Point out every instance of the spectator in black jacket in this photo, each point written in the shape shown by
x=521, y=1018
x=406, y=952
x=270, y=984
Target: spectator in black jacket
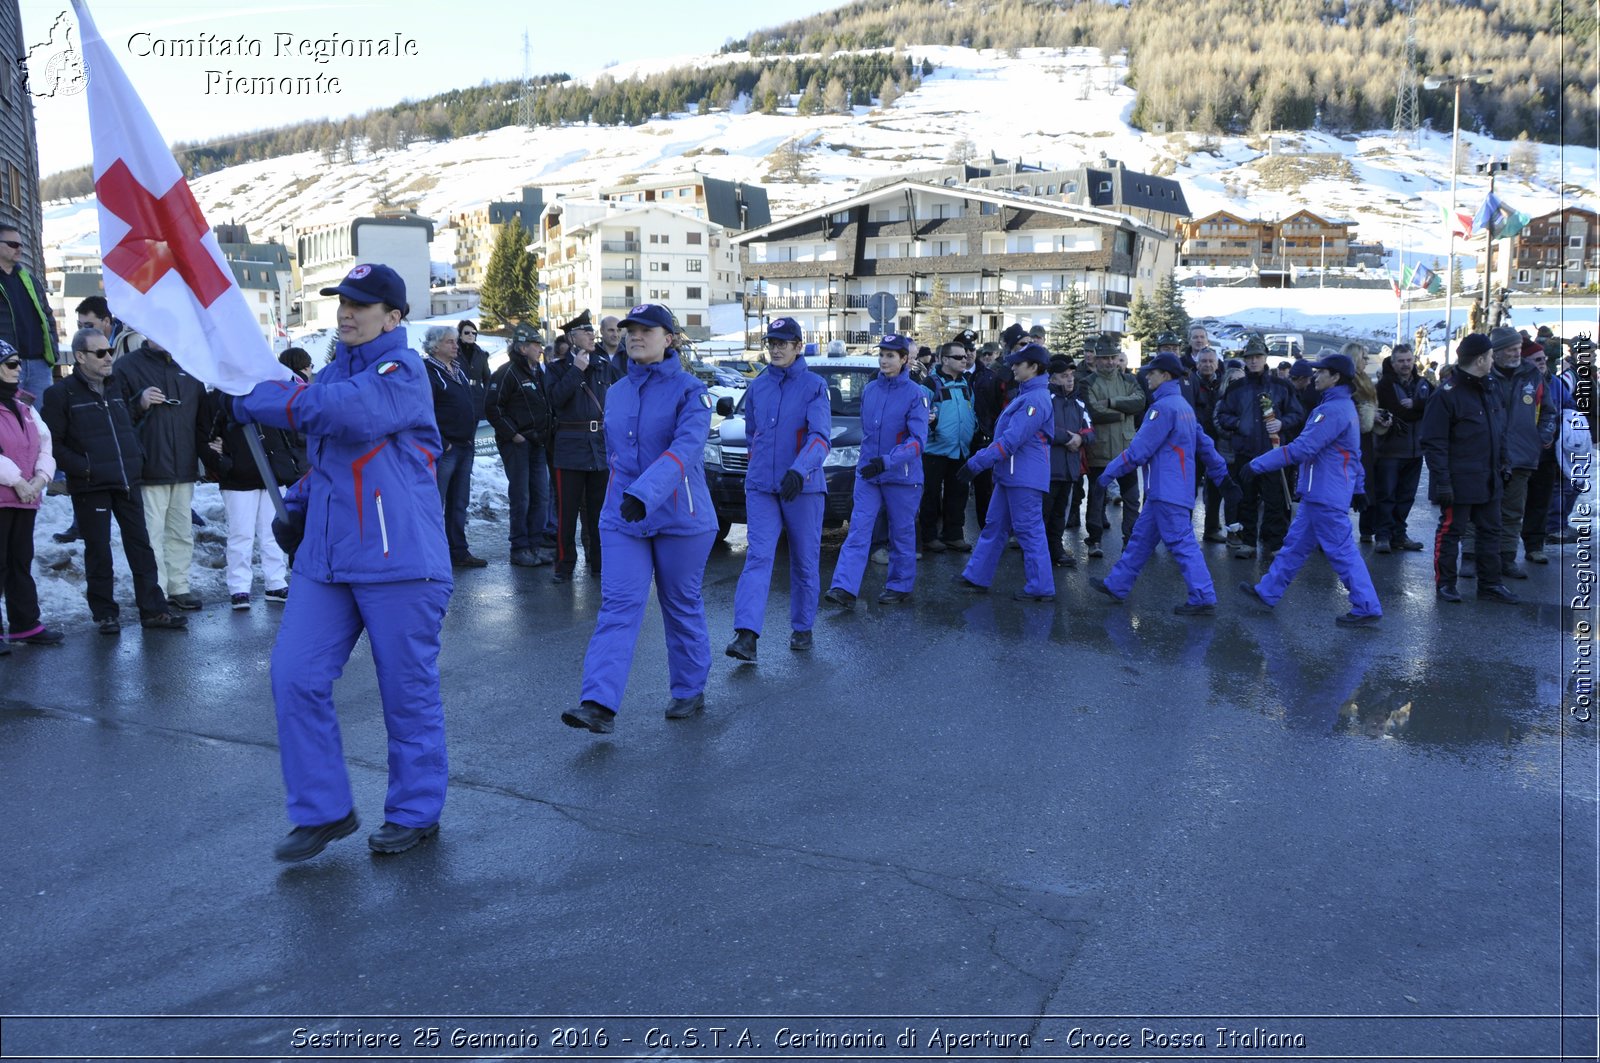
x=94, y=443
x=474, y=361
x=1463, y=439
x=1541, y=485
x=578, y=400
x=991, y=383
x=1530, y=430
x=245, y=499
x=1402, y=397
x=1243, y=417
x=1069, y=459
x=169, y=411
x=1203, y=388
x=455, y=408
x=519, y=410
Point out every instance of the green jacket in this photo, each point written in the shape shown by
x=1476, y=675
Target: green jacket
x=1115, y=404
x=47, y=323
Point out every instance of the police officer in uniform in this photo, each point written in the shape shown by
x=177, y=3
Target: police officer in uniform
x=577, y=393
x=1168, y=441
x=367, y=535
x=788, y=424
x=1020, y=458
x=1328, y=450
x=658, y=524
x=894, y=433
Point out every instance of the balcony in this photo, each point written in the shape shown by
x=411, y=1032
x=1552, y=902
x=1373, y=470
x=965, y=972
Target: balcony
x=797, y=302
x=620, y=247
x=619, y=274
x=616, y=302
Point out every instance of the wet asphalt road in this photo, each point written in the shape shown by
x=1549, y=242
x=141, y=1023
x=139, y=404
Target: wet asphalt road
x=1076, y=816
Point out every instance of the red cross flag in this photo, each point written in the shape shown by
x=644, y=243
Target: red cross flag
x=164, y=273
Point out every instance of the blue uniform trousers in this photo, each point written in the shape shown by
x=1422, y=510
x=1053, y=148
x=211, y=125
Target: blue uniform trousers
x=767, y=516
x=1317, y=524
x=901, y=501
x=1015, y=511
x=1173, y=526
x=677, y=563
x=320, y=627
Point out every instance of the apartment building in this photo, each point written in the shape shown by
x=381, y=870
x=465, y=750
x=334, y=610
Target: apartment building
x=475, y=231
x=1556, y=250
x=734, y=205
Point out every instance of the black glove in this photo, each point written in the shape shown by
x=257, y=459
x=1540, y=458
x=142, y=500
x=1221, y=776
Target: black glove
x=1444, y=496
x=632, y=509
x=1358, y=502
x=872, y=469
x=288, y=533
x=1245, y=474
x=965, y=475
x=1232, y=493
x=789, y=488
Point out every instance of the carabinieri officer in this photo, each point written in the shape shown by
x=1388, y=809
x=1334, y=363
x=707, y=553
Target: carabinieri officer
x=657, y=524
x=373, y=557
x=894, y=431
x=1328, y=450
x=1020, y=458
x=788, y=424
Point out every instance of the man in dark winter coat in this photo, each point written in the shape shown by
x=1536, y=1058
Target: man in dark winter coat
x=1257, y=413
x=519, y=410
x=578, y=400
x=1530, y=429
x=1402, y=397
x=1069, y=458
x=1203, y=388
x=455, y=410
x=168, y=408
x=25, y=318
x=1463, y=442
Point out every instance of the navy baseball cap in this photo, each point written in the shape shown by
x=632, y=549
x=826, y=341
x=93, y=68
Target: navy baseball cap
x=784, y=328
x=1342, y=364
x=1301, y=369
x=893, y=342
x=1030, y=352
x=651, y=315
x=1168, y=362
x=525, y=334
x=372, y=283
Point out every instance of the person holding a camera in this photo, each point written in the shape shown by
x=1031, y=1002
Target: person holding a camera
x=1402, y=396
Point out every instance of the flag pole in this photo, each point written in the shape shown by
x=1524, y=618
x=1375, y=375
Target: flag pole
x=252, y=440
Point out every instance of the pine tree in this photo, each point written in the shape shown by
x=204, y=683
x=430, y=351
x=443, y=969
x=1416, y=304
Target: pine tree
x=835, y=100
x=1167, y=303
x=933, y=316
x=889, y=93
x=510, y=284
x=1142, y=324
x=1069, y=325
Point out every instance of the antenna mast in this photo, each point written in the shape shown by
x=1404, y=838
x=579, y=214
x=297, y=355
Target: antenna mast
x=1406, y=119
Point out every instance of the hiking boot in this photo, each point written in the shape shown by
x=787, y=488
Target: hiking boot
x=683, y=708
x=743, y=646
x=240, y=600
x=187, y=601
x=393, y=838
x=40, y=636
x=166, y=621
x=1382, y=547
x=800, y=641
x=468, y=561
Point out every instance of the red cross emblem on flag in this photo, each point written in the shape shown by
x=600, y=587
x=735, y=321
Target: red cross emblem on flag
x=164, y=234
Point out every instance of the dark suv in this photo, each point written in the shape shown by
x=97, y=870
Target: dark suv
x=727, y=454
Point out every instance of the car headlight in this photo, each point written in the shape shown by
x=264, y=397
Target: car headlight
x=713, y=455
x=842, y=456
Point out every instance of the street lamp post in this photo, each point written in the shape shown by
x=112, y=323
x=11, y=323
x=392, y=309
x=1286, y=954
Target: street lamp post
x=1433, y=83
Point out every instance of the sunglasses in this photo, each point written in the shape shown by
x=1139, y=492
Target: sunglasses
x=12, y=363
x=15, y=245
x=107, y=353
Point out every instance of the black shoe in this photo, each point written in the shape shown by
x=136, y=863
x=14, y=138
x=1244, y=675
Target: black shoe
x=1366, y=540
x=889, y=597
x=840, y=596
x=1243, y=552
x=960, y=546
x=68, y=536
x=1215, y=537
x=1409, y=545
x=561, y=575
x=109, y=625
x=1024, y=596
x=393, y=838
x=468, y=561
x=1194, y=609
x=1447, y=592
x=1232, y=539
x=524, y=558
x=305, y=842
x=1382, y=546
x=1095, y=551
x=590, y=716
x=960, y=580
x=187, y=601
x=1100, y=585
x=800, y=641
x=935, y=546
x=45, y=636
x=743, y=646
x=165, y=620
x=1249, y=591
x=1355, y=620
x=1512, y=570
x=683, y=708
x=1498, y=592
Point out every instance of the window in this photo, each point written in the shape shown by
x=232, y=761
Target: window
x=263, y=318
x=658, y=293
x=694, y=293
x=694, y=239
x=696, y=265
x=660, y=267
x=842, y=218
x=261, y=297
x=1524, y=276
x=1574, y=241
x=989, y=208
x=692, y=320
x=1105, y=186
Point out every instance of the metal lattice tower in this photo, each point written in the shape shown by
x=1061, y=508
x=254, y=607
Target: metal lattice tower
x=1406, y=117
x=525, y=105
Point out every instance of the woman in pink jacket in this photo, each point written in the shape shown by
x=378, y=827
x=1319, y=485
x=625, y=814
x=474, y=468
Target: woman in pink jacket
x=26, y=466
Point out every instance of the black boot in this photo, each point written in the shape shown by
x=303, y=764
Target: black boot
x=743, y=646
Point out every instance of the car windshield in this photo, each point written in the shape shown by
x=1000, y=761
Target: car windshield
x=845, y=385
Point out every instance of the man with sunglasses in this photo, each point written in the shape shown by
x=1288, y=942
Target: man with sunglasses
x=25, y=321
x=166, y=405
x=94, y=442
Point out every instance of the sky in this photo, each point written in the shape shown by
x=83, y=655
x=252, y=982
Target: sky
x=456, y=44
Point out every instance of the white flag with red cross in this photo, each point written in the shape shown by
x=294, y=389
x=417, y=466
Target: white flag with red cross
x=164, y=272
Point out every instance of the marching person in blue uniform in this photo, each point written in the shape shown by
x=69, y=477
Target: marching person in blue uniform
x=657, y=524
x=894, y=433
x=1020, y=458
x=366, y=533
x=788, y=423
x=1170, y=442
x=1328, y=451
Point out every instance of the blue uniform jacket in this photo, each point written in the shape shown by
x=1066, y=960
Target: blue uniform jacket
x=657, y=420
x=1171, y=442
x=788, y=424
x=894, y=426
x=371, y=499
x=1020, y=453
x=1328, y=449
